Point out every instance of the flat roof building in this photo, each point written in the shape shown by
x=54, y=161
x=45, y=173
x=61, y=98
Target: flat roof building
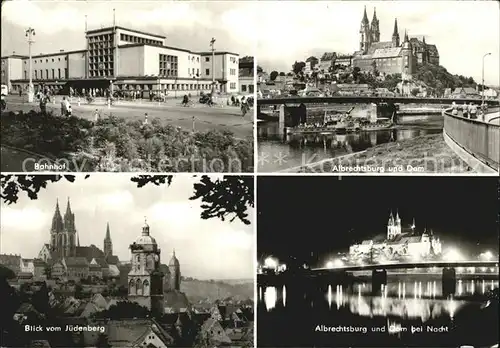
x=125, y=59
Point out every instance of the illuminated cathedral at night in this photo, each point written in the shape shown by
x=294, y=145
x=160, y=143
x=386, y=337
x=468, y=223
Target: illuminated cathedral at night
x=400, y=242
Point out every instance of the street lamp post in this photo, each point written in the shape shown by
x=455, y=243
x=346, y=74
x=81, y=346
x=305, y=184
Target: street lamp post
x=30, y=32
x=212, y=43
x=482, y=87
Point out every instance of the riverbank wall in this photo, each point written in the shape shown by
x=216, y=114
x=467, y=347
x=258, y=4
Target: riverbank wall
x=422, y=155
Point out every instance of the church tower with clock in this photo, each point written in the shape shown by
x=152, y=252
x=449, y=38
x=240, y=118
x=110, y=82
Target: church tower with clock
x=145, y=280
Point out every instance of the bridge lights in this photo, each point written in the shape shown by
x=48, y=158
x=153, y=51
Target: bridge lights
x=452, y=255
x=271, y=262
x=334, y=264
x=487, y=256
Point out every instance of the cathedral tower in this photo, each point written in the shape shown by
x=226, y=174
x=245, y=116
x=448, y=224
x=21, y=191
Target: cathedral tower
x=408, y=61
x=393, y=226
x=108, y=244
x=395, y=34
x=56, y=230
x=375, y=28
x=70, y=232
x=365, y=33
x=145, y=280
x=63, y=233
x=175, y=273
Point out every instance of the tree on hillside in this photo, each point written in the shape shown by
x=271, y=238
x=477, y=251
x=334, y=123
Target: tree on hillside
x=228, y=197
x=273, y=75
x=123, y=310
x=102, y=341
x=289, y=74
x=297, y=67
x=259, y=69
x=314, y=77
x=374, y=68
x=282, y=74
x=414, y=92
x=432, y=74
x=355, y=73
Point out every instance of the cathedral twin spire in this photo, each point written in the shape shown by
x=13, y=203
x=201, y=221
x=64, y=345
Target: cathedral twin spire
x=66, y=226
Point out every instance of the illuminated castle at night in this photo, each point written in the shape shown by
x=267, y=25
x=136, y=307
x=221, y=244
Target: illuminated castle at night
x=400, y=242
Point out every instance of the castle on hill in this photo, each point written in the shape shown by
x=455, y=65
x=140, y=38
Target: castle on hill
x=400, y=242
x=394, y=56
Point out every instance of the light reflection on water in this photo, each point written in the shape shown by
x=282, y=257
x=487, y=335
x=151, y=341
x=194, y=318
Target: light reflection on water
x=270, y=297
x=420, y=300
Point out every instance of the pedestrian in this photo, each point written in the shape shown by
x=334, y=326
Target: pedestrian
x=43, y=105
x=96, y=116
x=63, y=106
x=465, y=110
x=473, y=111
x=20, y=92
x=69, y=110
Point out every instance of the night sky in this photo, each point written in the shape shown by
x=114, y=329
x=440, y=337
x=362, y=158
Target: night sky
x=325, y=214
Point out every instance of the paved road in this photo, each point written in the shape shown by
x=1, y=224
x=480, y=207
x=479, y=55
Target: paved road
x=206, y=118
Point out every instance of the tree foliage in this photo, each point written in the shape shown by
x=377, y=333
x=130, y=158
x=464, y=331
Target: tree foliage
x=12, y=185
x=115, y=144
x=45, y=133
x=123, y=309
x=229, y=196
x=437, y=77
x=297, y=67
x=273, y=75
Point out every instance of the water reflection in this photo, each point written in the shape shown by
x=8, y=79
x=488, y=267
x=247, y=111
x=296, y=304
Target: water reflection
x=270, y=297
x=418, y=299
x=290, y=315
x=316, y=147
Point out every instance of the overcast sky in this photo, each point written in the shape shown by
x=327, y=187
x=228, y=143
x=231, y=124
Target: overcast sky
x=189, y=25
x=462, y=31
x=206, y=249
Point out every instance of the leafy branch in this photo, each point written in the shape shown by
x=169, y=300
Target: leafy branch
x=229, y=196
x=13, y=184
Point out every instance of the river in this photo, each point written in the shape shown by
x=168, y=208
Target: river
x=276, y=154
x=291, y=317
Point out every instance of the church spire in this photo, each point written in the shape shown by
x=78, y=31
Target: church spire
x=406, y=36
x=395, y=34
x=57, y=221
x=375, y=30
x=68, y=208
x=108, y=244
x=365, y=17
x=396, y=31
x=69, y=218
x=423, y=39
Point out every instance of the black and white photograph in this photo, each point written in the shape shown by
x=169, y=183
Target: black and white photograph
x=378, y=87
x=377, y=261
x=121, y=86
x=113, y=260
